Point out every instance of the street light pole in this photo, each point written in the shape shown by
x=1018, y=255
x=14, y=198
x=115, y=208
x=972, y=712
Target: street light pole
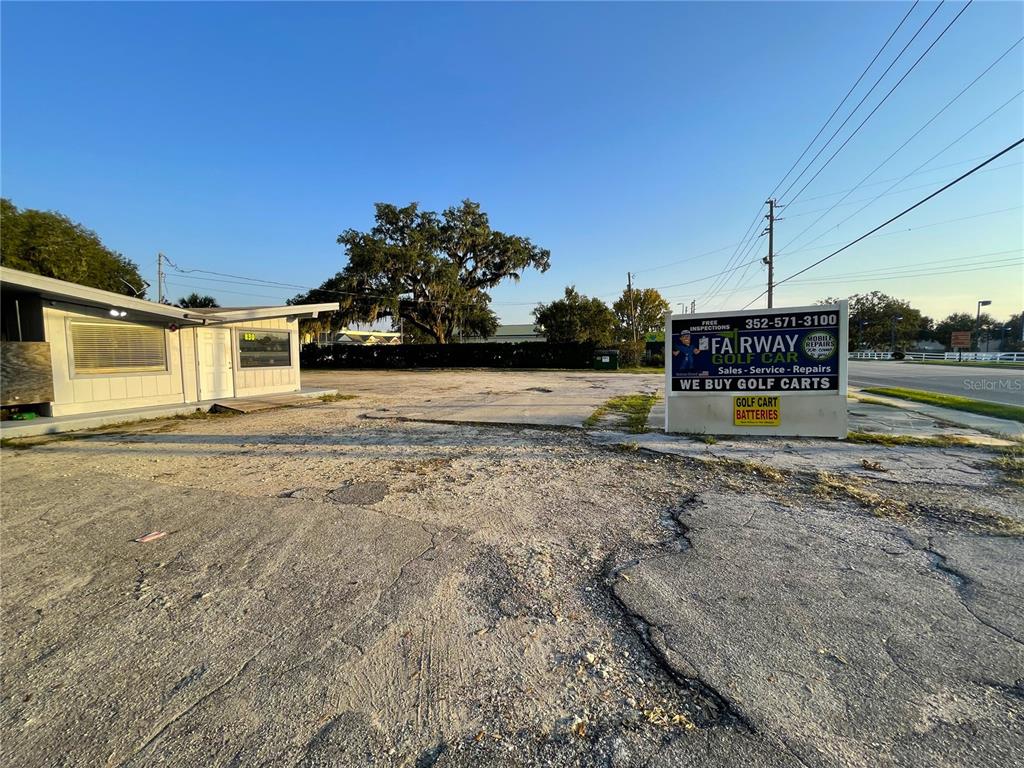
x=895, y=320
x=977, y=321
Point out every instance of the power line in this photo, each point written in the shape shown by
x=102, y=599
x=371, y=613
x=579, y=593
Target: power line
x=880, y=103
x=744, y=241
x=930, y=263
x=899, y=215
x=840, y=105
x=913, y=229
x=686, y=259
x=891, y=191
x=922, y=272
x=260, y=283
x=186, y=286
x=905, y=143
x=955, y=141
x=717, y=287
x=863, y=99
x=883, y=181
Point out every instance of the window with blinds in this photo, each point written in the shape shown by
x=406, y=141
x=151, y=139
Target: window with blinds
x=117, y=348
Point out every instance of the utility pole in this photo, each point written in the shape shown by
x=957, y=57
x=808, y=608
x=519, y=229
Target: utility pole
x=160, y=278
x=632, y=305
x=770, y=258
x=693, y=307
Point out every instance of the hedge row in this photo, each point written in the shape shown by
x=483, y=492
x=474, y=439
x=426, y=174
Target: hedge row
x=525, y=354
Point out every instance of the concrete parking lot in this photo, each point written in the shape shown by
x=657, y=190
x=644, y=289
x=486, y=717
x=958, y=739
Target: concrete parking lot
x=408, y=577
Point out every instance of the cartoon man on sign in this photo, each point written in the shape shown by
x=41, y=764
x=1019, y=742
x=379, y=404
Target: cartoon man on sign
x=683, y=352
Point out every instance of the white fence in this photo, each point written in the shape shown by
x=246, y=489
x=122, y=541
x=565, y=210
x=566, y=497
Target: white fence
x=989, y=357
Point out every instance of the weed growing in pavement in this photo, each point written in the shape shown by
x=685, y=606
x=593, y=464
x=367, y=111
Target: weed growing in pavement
x=336, y=397
x=635, y=408
x=1011, y=463
x=878, y=438
x=832, y=486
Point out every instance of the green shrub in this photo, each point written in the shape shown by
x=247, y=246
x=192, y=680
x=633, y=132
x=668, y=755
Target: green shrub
x=631, y=353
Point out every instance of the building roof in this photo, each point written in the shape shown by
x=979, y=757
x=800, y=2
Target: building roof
x=527, y=329
x=51, y=289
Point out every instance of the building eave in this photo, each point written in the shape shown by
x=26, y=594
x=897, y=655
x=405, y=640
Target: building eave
x=217, y=317
x=50, y=289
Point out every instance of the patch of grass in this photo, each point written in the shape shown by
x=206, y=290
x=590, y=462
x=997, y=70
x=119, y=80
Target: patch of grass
x=878, y=438
x=336, y=397
x=955, y=402
x=1010, y=462
x=755, y=468
x=198, y=413
x=832, y=486
x=155, y=424
x=966, y=363
x=635, y=408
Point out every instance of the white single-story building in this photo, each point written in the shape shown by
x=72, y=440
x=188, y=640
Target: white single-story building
x=69, y=349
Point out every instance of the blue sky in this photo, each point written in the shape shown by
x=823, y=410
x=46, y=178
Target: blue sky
x=242, y=138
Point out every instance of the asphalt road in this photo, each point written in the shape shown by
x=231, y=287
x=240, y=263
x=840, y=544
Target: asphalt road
x=997, y=386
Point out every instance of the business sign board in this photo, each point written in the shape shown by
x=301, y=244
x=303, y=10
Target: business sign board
x=960, y=340
x=774, y=371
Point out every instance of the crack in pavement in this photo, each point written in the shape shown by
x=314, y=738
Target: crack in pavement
x=963, y=585
x=725, y=711
x=227, y=681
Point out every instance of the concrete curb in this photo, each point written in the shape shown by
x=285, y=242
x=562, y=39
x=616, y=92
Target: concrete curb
x=61, y=424
x=987, y=424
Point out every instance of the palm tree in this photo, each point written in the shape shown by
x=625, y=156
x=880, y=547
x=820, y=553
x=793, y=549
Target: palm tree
x=194, y=301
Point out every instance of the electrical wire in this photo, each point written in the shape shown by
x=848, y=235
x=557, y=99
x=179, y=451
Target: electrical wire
x=931, y=120
x=913, y=136
x=942, y=151
x=716, y=288
x=840, y=105
x=909, y=229
x=864, y=98
x=686, y=259
x=899, y=215
x=880, y=103
x=925, y=272
x=747, y=238
x=886, y=193
x=886, y=181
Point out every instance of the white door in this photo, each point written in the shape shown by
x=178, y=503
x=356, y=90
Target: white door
x=216, y=377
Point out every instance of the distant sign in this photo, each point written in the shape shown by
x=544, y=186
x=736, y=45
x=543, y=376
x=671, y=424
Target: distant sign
x=756, y=411
x=960, y=340
x=770, y=352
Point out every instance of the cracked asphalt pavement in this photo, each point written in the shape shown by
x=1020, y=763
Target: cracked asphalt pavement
x=337, y=590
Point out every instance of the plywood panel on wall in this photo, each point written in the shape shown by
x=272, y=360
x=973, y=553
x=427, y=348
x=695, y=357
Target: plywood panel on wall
x=26, y=373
